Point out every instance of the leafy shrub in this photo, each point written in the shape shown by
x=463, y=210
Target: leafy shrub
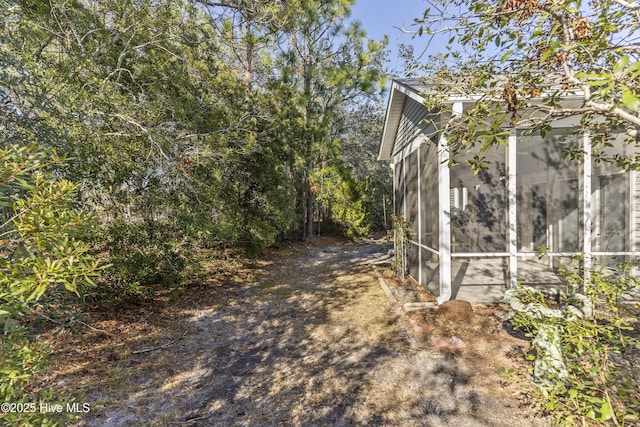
x=401, y=234
x=340, y=201
x=43, y=255
x=22, y=361
x=597, y=352
x=142, y=262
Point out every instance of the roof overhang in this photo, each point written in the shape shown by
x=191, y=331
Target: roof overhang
x=400, y=90
x=416, y=89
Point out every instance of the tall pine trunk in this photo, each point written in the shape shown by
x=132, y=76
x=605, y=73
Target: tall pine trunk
x=308, y=202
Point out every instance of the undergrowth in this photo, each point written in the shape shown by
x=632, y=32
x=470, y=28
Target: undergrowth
x=600, y=353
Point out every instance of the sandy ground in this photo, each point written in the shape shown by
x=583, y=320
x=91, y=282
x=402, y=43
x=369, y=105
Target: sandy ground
x=304, y=337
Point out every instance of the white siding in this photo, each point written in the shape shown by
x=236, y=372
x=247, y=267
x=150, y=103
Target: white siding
x=414, y=121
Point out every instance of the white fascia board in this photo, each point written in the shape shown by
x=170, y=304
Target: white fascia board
x=398, y=157
x=408, y=92
x=475, y=97
x=389, y=129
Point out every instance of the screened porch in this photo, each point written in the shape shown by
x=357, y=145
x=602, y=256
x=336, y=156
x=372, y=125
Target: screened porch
x=530, y=213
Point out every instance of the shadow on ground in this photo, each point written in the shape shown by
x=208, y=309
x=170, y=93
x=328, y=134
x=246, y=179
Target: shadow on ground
x=311, y=340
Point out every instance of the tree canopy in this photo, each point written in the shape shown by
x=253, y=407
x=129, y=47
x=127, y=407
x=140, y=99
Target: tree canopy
x=192, y=124
x=140, y=136
x=544, y=51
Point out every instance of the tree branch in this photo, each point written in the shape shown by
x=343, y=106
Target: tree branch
x=609, y=108
x=628, y=5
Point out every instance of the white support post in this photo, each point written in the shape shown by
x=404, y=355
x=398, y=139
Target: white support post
x=634, y=233
x=394, y=168
x=586, y=206
x=631, y=231
x=404, y=186
x=403, y=249
x=444, y=214
x=419, y=217
x=512, y=153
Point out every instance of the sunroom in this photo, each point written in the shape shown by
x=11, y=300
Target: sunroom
x=529, y=213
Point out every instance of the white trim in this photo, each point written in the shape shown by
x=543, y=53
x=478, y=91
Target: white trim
x=404, y=212
x=549, y=254
x=430, y=249
x=480, y=255
x=403, y=89
x=631, y=253
x=405, y=86
x=634, y=189
x=576, y=95
x=566, y=254
x=444, y=214
x=386, y=145
x=631, y=214
x=530, y=254
x=587, y=212
x=444, y=243
x=394, y=167
x=512, y=153
x=404, y=190
x=419, y=218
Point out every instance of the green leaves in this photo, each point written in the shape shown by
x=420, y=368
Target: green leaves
x=599, y=386
x=629, y=99
x=506, y=56
x=182, y=130
x=42, y=254
x=605, y=413
x=595, y=79
x=44, y=227
x=621, y=64
x=608, y=83
x=551, y=52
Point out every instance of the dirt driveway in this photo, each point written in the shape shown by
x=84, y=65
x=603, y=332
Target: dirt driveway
x=309, y=339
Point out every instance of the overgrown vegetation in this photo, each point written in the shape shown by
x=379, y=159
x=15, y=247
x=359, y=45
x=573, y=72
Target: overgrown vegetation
x=187, y=128
x=145, y=134
x=44, y=258
x=192, y=126
x=520, y=59
x=600, y=351
x=401, y=234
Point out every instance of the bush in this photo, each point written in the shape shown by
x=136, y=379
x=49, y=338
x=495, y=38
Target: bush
x=598, y=352
x=142, y=261
x=23, y=360
x=42, y=255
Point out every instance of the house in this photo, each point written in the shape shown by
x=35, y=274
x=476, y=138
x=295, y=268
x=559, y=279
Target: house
x=474, y=235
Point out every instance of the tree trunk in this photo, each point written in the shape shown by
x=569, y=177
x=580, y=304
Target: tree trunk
x=309, y=196
x=308, y=69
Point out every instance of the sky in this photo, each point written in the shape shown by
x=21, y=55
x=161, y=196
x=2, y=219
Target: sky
x=380, y=17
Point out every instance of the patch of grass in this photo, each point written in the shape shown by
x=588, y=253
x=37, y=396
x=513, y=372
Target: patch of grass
x=119, y=381
x=509, y=374
x=275, y=290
